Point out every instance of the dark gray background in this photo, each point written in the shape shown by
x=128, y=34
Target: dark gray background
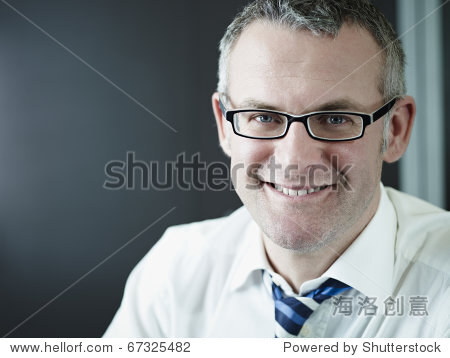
x=60, y=123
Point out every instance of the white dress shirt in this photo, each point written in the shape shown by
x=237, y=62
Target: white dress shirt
x=209, y=279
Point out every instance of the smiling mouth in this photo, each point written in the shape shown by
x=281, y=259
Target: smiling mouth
x=301, y=192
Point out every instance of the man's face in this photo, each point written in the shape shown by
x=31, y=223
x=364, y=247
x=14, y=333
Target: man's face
x=297, y=72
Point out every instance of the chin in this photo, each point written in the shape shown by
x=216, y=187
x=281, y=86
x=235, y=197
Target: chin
x=299, y=240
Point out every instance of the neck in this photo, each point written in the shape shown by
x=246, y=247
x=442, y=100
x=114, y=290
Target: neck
x=297, y=267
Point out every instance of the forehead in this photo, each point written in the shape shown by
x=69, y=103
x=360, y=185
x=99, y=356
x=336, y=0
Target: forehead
x=296, y=68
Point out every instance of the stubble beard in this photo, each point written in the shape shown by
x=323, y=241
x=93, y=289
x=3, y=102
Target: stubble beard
x=305, y=238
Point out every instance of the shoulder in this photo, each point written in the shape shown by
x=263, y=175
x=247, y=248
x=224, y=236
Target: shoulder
x=422, y=248
x=411, y=205
x=204, y=237
x=232, y=223
x=423, y=232
x=166, y=292
x=194, y=250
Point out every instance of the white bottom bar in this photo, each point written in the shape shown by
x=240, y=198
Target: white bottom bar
x=202, y=347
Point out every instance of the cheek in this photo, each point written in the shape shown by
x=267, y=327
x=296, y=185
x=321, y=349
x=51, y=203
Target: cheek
x=249, y=151
x=361, y=160
x=246, y=154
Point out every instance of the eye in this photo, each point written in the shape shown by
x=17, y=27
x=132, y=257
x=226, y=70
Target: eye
x=264, y=118
x=336, y=120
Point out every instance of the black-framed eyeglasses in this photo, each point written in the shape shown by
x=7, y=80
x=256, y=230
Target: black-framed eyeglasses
x=326, y=125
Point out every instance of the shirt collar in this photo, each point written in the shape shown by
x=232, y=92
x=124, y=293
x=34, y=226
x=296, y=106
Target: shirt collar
x=251, y=259
x=367, y=264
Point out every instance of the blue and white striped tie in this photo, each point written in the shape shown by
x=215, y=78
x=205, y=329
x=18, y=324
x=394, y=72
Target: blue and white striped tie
x=292, y=312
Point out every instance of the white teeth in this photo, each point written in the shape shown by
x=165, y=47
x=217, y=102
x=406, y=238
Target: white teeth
x=302, y=192
x=292, y=192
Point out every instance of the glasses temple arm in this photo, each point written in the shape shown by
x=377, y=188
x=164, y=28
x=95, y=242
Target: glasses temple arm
x=383, y=110
x=222, y=107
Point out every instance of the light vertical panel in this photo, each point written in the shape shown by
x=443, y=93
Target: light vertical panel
x=422, y=168
x=435, y=104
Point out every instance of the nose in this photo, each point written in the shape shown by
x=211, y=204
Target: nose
x=298, y=150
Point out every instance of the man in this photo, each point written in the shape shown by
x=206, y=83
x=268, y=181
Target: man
x=311, y=101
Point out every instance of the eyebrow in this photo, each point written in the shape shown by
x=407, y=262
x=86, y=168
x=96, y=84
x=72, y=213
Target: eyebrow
x=343, y=104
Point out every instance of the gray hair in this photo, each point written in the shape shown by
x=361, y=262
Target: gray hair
x=324, y=17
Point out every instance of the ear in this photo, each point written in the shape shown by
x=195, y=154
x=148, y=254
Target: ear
x=223, y=126
x=400, y=128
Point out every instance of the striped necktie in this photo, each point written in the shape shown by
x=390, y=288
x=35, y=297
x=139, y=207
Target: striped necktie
x=292, y=312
